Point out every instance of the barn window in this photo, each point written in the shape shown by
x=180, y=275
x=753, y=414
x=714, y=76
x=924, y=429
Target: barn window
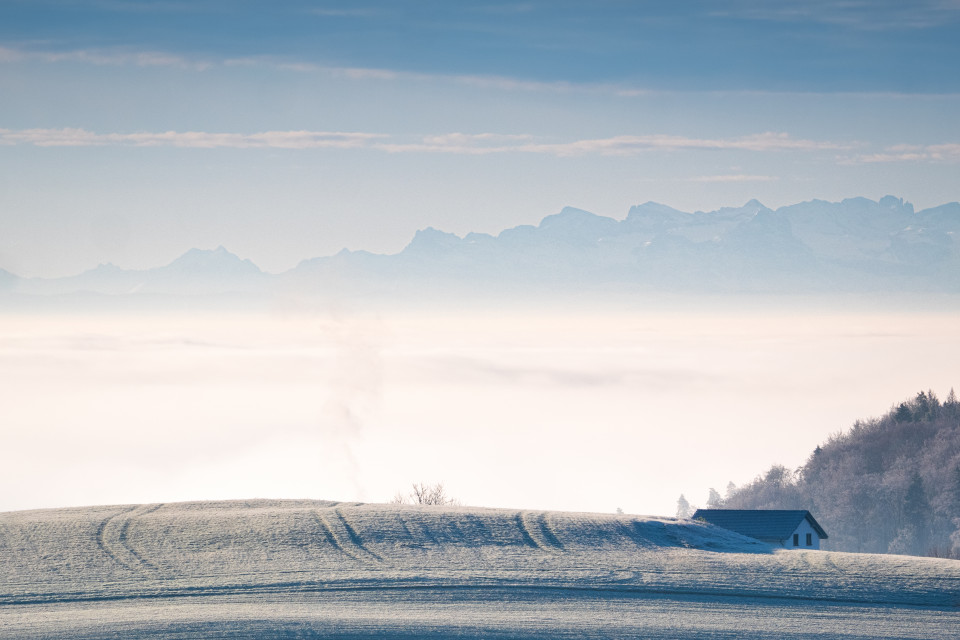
x=796, y=539
x=809, y=539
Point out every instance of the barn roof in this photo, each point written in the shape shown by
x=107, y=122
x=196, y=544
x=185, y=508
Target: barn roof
x=769, y=525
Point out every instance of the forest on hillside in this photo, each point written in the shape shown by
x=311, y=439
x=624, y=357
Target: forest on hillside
x=888, y=485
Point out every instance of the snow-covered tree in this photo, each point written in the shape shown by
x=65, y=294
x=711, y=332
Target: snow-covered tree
x=714, y=501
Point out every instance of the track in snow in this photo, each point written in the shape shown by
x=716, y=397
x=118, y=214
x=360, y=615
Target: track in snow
x=344, y=538
x=537, y=533
x=113, y=538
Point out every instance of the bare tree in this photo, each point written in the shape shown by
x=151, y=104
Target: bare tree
x=427, y=494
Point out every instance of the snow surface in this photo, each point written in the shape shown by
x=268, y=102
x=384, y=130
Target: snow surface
x=267, y=568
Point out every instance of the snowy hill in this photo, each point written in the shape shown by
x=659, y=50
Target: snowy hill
x=182, y=570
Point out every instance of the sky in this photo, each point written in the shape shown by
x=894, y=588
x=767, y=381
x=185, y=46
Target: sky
x=131, y=132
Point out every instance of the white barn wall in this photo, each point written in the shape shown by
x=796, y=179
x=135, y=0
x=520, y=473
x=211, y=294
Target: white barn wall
x=802, y=530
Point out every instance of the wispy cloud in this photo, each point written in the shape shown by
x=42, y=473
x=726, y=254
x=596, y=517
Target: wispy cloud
x=461, y=143
x=365, y=12
x=113, y=57
x=864, y=15
x=189, y=139
x=449, y=143
x=624, y=145
x=107, y=58
x=507, y=9
x=628, y=145
x=493, y=82
x=947, y=152
x=738, y=177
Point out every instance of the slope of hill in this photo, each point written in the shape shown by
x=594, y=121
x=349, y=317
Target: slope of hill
x=315, y=569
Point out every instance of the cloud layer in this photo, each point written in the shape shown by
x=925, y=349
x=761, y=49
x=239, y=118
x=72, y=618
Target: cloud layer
x=477, y=144
x=70, y=137
x=949, y=152
x=453, y=143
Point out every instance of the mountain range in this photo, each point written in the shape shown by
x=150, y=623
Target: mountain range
x=856, y=245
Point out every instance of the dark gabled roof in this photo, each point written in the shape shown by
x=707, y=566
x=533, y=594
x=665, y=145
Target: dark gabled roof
x=769, y=525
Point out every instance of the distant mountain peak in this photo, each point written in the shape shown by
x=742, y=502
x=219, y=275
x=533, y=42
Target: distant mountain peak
x=107, y=267
x=653, y=207
x=431, y=240
x=212, y=261
x=653, y=214
x=220, y=251
x=896, y=204
x=572, y=211
x=571, y=216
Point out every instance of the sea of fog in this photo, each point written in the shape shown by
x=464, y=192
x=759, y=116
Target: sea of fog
x=530, y=407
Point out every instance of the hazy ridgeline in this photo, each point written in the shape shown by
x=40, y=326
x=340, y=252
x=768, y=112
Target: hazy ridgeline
x=853, y=246
x=888, y=485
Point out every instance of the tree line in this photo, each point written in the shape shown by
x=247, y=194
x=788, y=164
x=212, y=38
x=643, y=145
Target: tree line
x=888, y=485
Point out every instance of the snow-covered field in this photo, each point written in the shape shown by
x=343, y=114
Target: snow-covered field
x=323, y=569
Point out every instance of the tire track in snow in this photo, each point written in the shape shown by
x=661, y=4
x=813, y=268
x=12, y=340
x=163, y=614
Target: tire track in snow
x=331, y=536
x=548, y=533
x=113, y=539
x=354, y=537
x=536, y=532
x=343, y=537
x=424, y=535
x=124, y=533
x=105, y=531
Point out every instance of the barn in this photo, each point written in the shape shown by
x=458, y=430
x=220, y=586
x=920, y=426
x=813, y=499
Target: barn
x=790, y=529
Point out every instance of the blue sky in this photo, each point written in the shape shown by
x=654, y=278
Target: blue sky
x=813, y=45
x=133, y=131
